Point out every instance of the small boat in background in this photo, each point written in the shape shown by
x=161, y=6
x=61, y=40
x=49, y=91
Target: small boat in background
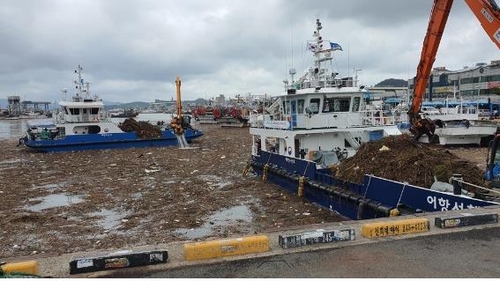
x=126, y=113
x=460, y=124
x=83, y=124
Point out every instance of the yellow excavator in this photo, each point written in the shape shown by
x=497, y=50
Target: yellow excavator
x=177, y=122
x=488, y=14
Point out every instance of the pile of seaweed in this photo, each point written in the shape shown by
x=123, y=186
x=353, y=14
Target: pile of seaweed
x=403, y=159
x=143, y=129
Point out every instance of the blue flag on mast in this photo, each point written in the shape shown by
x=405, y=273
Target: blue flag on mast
x=335, y=46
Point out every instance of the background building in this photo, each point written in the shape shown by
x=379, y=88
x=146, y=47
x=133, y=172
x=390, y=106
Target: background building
x=481, y=81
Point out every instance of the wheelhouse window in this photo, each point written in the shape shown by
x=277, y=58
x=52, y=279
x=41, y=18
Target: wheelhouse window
x=337, y=105
x=286, y=107
x=314, y=105
x=94, y=111
x=300, y=106
x=74, y=111
x=355, y=104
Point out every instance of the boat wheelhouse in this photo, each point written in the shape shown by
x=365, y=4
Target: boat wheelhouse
x=320, y=114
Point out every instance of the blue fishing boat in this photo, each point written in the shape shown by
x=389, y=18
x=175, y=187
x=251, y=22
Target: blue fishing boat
x=83, y=124
x=322, y=119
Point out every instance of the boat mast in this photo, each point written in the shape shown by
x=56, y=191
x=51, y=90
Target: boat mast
x=79, y=82
x=320, y=55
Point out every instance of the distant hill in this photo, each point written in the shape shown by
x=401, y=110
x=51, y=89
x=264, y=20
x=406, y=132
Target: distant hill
x=392, y=82
x=135, y=104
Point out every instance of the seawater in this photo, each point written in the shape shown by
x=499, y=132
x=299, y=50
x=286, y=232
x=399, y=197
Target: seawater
x=15, y=129
x=12, y=129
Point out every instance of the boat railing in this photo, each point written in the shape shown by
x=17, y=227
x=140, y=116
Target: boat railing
x=377, y=118
x=101, y=117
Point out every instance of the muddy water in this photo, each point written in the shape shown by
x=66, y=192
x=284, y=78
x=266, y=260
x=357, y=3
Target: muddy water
x=237, y=215
x=54, y=200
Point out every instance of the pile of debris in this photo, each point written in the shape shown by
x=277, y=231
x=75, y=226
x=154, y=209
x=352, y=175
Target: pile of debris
x=402, y=159
x=144, y=130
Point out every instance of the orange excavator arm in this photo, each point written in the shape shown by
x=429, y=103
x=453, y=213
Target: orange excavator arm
x=176, y=121
x=178, y=97
x=488, y=14
x=437, y=22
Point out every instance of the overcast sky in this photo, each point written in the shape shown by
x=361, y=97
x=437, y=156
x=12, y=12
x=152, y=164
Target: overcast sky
x=133, y=50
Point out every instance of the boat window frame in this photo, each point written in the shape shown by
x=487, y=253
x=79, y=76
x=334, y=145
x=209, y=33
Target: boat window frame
x=337, y=104
x=316, y=102
x=356, y=102
x=300, y=106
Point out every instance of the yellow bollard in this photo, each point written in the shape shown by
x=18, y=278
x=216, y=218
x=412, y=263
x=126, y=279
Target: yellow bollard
x=247, y=168
x=25, y=267
x=264, y=172
x=300, y=190
x=394, y=213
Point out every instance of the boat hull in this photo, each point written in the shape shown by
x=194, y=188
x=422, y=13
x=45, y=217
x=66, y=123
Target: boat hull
x=108, y=141
x=376, y=197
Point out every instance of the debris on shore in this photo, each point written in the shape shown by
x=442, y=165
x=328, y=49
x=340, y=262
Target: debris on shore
x=402, y=159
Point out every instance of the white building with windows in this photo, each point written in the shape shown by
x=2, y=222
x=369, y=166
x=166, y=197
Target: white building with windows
x=481, y=81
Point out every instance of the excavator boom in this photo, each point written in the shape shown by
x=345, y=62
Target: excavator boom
x=178, y=97
x=488, y=14
x=437, y=22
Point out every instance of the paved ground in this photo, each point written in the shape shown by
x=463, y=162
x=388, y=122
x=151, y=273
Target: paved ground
x=463, y=254
x=457, y=252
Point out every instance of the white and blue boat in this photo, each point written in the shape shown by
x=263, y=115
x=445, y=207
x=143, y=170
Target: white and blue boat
x=322, y=119
x=83, y=124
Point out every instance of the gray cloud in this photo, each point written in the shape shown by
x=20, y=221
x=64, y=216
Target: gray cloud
x=133, y=50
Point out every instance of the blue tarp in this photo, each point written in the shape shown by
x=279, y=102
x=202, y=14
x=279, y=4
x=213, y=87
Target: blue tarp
x=392, y=100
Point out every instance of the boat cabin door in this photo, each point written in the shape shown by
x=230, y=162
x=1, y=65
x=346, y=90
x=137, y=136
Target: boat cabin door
x=294, y=113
